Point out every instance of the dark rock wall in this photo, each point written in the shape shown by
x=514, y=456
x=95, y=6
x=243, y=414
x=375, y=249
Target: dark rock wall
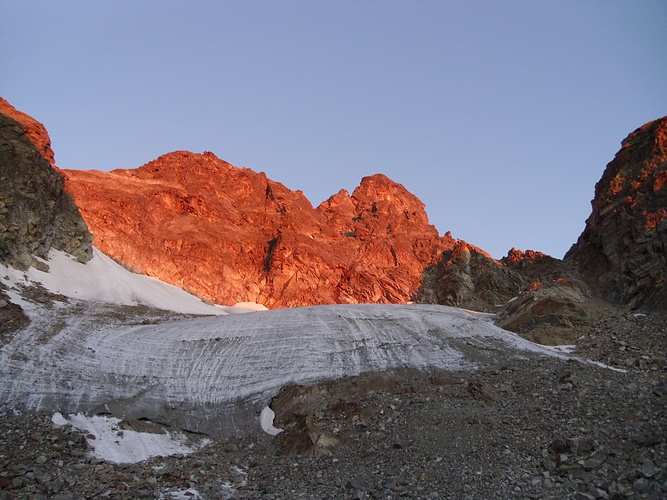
x=623, y=250
x=35, y=212
x=468, y=277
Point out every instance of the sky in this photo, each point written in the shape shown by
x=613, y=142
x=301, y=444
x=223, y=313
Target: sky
x=499, y=116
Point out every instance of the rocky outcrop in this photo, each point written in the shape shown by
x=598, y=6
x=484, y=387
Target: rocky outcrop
x=229, y=234
x=35, y=212
x=551, y=313
x=534, y=266
x=532, y=294
x=468, y=277
x=623, y=249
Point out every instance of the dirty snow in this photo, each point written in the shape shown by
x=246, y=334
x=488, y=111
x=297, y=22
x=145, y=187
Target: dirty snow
x=122, y=446
x=214, y=374
x=191, y=372
x=189, y=494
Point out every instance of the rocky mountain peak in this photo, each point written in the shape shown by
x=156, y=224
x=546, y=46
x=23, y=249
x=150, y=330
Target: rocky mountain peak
x=231, y=235
x=35, y=212
x=33, y=130
x=515, y=256
x=623, y=249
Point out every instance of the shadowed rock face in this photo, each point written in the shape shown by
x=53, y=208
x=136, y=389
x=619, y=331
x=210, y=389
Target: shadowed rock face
x=623, y=249
x=468, y=277
x=229, y=234
x=550, y=313
x=35, y=212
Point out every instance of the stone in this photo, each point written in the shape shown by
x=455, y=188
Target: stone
x=582, y=496
x=399, y=443
x=36, y=214
x=549, y=313
x=358, y=483
x=593, y=463
x=622, y=251
x=482, y=392
x=231, y=235
x=649, y=470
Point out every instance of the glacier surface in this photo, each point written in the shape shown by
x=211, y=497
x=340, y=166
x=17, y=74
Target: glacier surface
x=214, y=374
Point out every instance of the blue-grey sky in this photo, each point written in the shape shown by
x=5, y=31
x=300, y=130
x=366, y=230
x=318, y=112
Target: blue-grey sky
x=499, y=116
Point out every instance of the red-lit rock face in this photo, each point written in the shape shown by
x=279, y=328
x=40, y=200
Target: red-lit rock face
x=623, y=249
x=515, y=256
x=229, y=234
x=33, y=130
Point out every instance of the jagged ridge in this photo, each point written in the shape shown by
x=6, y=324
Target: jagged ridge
x=229, y=234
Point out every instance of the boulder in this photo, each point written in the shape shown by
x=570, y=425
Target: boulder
x=552, y=313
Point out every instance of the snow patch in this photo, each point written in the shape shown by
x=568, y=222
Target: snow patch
x=266, y=421
x=103, y=280
x=59, y=420
x=565, y=348
x=244, y=307
x=189, y=494
x=112, y=444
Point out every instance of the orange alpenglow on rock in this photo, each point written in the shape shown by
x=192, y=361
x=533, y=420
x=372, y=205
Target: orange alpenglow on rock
x=230, y=235
x=623, y=249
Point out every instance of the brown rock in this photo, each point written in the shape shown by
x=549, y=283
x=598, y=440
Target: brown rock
x=534, y=266
x=549, y=313
x=230, y=235
x=623, y=249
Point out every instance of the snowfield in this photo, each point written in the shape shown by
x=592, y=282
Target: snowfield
x=103, y=280
x=112, y=444
x=215, y=374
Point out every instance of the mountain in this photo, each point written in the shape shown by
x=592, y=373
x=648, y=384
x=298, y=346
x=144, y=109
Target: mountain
x=622, y=251
x=35, y=212
x=230, y=235
x=377, y=400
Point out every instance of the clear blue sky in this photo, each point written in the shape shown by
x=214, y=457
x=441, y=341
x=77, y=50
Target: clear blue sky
x=499, y=116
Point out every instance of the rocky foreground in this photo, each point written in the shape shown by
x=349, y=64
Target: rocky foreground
x=543, y=428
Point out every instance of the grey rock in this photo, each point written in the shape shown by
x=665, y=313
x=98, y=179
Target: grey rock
x=35, y=212
x=623, y=248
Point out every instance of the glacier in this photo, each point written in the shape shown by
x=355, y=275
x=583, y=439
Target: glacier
x=215, y=374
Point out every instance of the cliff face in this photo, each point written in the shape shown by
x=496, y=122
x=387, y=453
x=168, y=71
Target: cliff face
x=623, y=249
x=35, y=212
x=229, y=234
